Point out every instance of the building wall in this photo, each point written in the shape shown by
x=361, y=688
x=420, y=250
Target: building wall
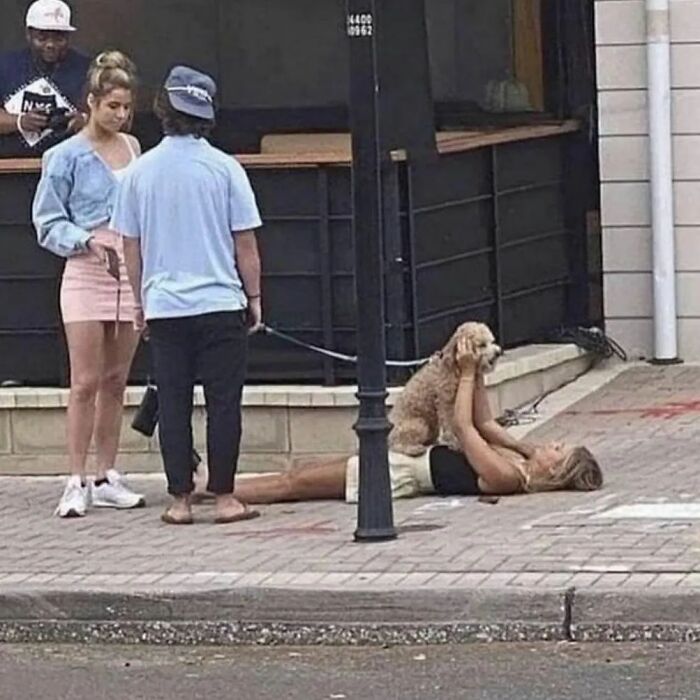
x=627, y=258
x=278, y=53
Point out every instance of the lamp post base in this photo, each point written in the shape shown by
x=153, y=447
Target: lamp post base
x=375, y=518
x=368, y=534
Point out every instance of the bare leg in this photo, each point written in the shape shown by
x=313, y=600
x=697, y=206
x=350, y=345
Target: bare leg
x=303, y=482
x=119, y=351
x=85, y=348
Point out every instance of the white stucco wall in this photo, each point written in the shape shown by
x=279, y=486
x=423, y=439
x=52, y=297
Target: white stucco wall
x=621, y=56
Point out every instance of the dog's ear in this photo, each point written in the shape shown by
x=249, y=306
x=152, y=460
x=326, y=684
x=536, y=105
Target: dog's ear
x=448, y=354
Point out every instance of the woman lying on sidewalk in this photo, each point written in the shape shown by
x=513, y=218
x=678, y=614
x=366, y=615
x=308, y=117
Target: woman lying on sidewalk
x=490, y=462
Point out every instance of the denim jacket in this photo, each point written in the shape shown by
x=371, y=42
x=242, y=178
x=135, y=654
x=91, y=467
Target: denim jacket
x=75, y=195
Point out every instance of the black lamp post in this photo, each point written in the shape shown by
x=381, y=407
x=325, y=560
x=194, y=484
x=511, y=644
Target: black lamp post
x=375, y=521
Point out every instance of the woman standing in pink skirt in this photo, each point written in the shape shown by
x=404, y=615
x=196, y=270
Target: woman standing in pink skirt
x=72, y=208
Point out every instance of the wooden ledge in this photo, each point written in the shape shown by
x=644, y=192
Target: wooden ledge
x=448, y=142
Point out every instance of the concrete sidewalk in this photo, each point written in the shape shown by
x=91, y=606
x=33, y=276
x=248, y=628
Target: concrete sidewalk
x=622, y=563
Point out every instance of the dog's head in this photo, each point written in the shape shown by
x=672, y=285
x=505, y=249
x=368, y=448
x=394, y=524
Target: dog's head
x=480, y=342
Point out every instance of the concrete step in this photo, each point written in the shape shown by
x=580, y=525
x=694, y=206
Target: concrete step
x=280, y=422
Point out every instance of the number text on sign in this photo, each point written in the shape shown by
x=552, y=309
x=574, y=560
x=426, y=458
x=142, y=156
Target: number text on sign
x=360, y=25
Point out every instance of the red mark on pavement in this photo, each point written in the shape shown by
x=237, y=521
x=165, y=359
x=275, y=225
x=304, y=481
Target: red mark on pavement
x=673, y=409
x=322, y=528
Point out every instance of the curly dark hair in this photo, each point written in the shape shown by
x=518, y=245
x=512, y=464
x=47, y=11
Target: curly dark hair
x=176, y=123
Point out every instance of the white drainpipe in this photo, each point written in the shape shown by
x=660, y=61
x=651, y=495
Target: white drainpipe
x=661, y=164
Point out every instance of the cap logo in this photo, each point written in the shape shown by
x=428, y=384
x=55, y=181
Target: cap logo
x=56, y=14
x=198, y=93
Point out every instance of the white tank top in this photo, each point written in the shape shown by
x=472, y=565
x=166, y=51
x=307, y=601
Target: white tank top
x=119, y=173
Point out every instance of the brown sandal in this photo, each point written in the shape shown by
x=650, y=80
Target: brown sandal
x=166, y=517
x=246, y=514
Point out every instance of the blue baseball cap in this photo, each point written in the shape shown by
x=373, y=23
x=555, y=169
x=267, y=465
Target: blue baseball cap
x=191, y=92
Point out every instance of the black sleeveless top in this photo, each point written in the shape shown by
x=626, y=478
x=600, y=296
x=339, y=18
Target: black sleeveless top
x=451, y=473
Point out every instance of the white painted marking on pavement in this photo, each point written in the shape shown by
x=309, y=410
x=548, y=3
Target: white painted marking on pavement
x=655, y=511
x=447, y=504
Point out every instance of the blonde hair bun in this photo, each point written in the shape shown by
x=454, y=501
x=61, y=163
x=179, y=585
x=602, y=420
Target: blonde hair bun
x=110, y=70
x=115, y=60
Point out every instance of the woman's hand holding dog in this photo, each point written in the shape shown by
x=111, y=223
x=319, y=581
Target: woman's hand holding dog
x=467, y=360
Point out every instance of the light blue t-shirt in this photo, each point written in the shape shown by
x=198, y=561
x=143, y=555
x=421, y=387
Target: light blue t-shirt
x=185, y=200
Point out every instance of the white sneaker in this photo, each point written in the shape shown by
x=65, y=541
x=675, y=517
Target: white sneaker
x=74, y=501
x=115, y=493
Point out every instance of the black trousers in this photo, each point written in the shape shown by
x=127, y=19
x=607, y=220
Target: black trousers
x=212, y=348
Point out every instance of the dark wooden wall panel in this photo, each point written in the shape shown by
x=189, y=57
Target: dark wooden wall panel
x=278, y=53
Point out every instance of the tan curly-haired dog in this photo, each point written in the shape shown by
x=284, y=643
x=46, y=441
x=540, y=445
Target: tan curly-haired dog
x=423, y=412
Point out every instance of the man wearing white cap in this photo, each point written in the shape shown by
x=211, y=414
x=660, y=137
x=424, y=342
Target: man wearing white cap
x=41, y=85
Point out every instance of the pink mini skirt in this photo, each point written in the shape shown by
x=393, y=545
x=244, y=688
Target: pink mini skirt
x=89, y=293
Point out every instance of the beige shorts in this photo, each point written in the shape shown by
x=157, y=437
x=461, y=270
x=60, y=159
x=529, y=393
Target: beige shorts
x=410, y=476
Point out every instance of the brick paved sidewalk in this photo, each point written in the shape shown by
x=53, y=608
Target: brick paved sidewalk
x=643, y=424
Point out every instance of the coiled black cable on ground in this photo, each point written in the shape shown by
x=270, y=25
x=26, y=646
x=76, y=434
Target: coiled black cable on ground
x=592, y=340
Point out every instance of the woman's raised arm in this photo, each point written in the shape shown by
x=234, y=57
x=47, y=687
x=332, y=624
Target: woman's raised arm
x=496, y=474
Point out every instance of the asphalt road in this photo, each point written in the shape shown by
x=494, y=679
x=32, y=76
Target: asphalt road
x=477, y=672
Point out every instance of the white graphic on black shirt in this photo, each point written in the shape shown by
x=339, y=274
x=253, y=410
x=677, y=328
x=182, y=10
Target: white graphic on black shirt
x=34, y=101
x=41, y=94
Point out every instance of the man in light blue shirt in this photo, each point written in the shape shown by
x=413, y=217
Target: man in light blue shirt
x=188, y=214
